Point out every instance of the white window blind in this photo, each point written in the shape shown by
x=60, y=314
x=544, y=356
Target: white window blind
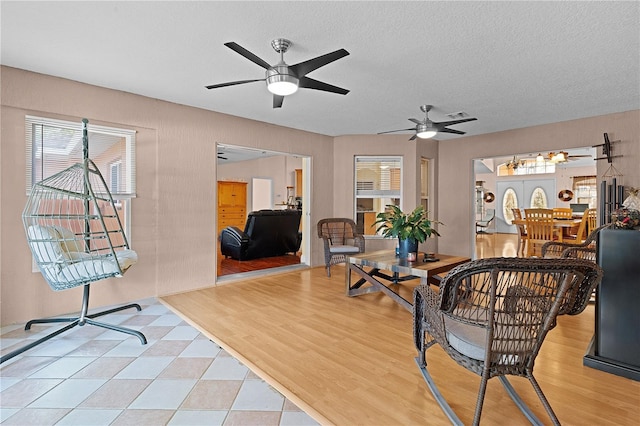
x=378, y=176
x=585, y=189
x=53, y=145
x=378, y=183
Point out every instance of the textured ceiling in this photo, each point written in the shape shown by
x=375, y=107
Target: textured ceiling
x=510, y=64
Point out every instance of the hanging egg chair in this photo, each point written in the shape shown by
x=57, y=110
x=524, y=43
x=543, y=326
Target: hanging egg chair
x=76, y=237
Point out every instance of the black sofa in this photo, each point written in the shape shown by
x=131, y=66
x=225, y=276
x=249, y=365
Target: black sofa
x=267, y=233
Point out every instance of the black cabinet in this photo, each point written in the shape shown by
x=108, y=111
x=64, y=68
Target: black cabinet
x=616, y=345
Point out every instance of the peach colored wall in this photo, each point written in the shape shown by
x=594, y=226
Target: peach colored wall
x=176, y=168
x=456, y=169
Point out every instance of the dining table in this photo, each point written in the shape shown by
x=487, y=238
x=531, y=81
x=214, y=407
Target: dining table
x=563, y=224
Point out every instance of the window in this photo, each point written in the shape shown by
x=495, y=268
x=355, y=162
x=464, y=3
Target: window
x=585, y=190
x=424, y=183
x=378, y=183
x=538, y=198
x=53, y=145
x=526, y=167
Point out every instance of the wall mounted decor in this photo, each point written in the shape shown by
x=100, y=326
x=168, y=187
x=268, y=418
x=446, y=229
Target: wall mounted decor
x=565, y=195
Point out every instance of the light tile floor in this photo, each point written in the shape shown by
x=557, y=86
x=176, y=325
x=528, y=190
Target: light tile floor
x=93, y=376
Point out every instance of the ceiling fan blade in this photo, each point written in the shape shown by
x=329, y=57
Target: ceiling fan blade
x=232, y=83
x=277, y=101
x=309, y=83
x=445, y=130
x=400, y=130
x=250, y=56
x=415, y=120
x=452, y=122
x=303, y=68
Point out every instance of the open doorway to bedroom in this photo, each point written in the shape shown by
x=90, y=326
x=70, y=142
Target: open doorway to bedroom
x=564, y=178
x=273, y=183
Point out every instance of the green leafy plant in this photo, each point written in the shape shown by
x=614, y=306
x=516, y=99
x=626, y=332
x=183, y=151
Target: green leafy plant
x=415, y=225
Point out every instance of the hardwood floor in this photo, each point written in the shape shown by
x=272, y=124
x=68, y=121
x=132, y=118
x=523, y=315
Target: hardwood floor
x=231, y=266
x=350, y=361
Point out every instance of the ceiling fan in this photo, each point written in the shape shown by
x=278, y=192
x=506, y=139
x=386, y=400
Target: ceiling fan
x=283, y=79
x=562, y=157
x=426, y=128
x=515, y=163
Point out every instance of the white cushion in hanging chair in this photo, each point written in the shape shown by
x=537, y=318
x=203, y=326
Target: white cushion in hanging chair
x=64, y=264
x=87, y=267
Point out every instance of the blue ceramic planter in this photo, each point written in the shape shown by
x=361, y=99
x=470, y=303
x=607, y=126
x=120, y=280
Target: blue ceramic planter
x=407, y=246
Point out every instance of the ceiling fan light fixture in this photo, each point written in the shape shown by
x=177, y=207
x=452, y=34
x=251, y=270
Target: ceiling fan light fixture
x=424, y=131
x=280, y=82
x=560, y=157
x=427, y=134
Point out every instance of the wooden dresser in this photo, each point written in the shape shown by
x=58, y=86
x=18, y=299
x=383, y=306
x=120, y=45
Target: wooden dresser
x=232, y=204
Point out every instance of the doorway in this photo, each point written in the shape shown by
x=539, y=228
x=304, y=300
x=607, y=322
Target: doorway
x=527, y=180
x=266, y=177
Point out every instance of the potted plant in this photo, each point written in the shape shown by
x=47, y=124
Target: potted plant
x=410, y=229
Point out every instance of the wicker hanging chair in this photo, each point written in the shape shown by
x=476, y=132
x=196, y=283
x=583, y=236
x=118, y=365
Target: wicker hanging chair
x=76, y=238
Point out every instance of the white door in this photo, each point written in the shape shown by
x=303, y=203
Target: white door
x=522, y=194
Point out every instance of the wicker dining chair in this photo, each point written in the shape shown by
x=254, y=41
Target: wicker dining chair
x=340, y=238
x=492, y=315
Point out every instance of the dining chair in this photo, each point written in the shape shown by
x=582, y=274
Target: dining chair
x=562, y=213
x=491, y=316
x=567, y=249
x=540, y=229
x=592, y=222
x=522, y=232
x=581, y=233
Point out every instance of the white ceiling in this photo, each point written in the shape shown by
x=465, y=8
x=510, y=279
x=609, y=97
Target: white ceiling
x=510, y=64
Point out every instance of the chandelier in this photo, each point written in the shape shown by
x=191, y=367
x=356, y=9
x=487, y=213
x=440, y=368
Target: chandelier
x=514, y=164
